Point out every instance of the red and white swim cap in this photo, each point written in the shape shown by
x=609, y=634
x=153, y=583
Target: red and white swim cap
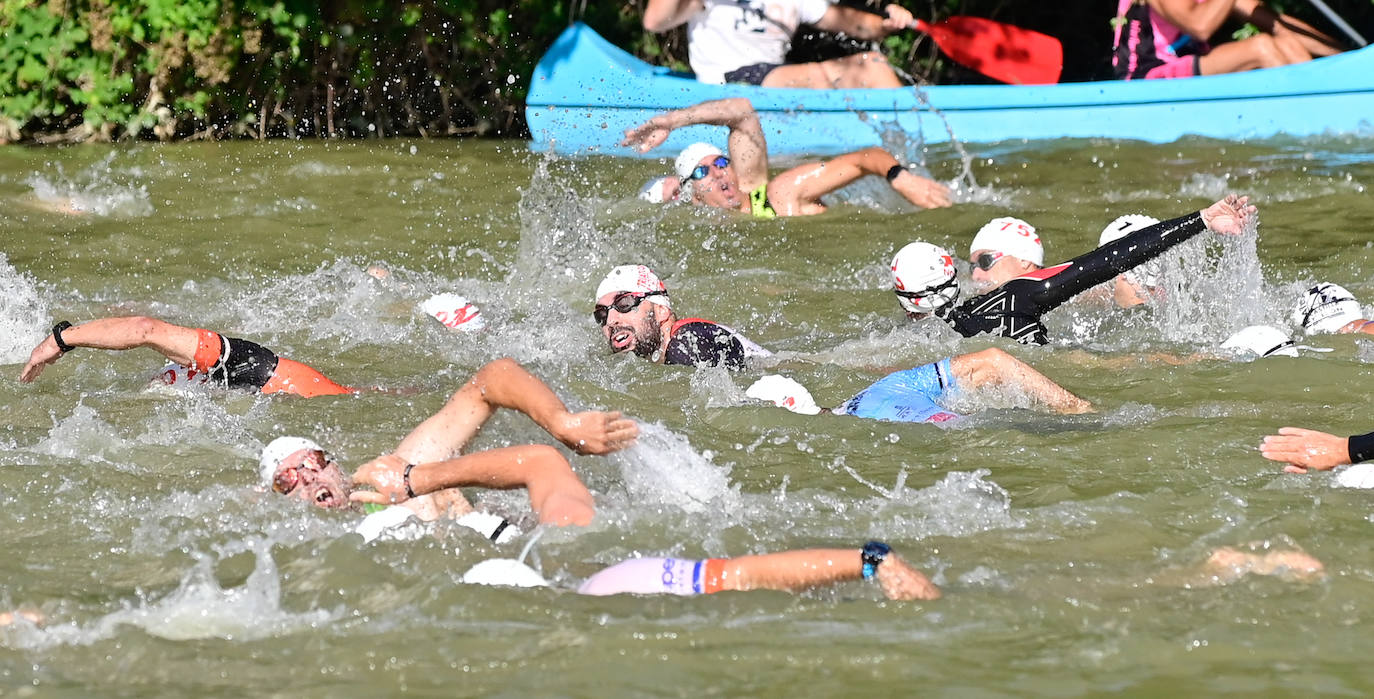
x=923, y=278
x=634, y=279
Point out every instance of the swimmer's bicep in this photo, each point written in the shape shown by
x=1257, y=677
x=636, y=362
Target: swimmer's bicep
x=177, y=343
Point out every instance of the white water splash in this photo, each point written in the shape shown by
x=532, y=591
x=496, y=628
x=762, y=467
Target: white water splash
x=94, y=190
x=199, y=608
x=23, y=314
x=662, y=469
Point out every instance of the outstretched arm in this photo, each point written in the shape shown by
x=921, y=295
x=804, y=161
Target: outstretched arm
x=798, y=570
x=556, y=493
x=505, y=384
x=172, y=341
x=994, y=367
x=804, y=185
x=662, y=15
x=1303, y=449
x=746, y=143
x=1231, y=215
x=866, y=25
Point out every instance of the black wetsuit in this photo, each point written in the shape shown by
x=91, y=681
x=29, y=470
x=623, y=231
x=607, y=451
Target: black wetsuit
x=694, y=341
x=1361, y=447
x=1014, y=309
x=243, y=364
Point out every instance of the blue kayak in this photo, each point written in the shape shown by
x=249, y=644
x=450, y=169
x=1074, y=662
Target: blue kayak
x=586, y=92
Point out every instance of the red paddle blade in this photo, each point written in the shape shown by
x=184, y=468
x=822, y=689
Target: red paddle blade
x=999, y=51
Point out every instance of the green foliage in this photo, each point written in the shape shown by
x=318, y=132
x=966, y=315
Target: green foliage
x=100, y=69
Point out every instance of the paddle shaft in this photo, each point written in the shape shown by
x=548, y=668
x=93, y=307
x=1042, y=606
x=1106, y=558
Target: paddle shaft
x=1340, y=23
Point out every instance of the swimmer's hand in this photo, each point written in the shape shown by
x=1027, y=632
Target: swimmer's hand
x=649, y=135
x=922, y=191
x=44, y=354
x=1303, y=449
x=595, y=432
x=386, y=475
x=1230, y=216
x=897, y=18
x=902, y=582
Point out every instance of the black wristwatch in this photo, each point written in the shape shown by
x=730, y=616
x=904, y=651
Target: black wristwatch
x=872, y=556
x=57, y=336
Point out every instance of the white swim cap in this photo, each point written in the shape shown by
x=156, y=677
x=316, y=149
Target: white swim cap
x=454, y=311
x=504, y=571
x=784, y=393
x=1010, y=236
x=1261, y=341
x=276, y=452
x=636, y=279
x=691, y=156
x=1123, y=225
x=1147, y=273
x=925, y=269
x=652, y=191
x=1326, y=308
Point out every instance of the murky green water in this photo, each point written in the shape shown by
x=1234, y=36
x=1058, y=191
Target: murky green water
x=1062, y=542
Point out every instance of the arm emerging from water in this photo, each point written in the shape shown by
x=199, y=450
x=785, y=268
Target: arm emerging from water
x=174, y=342
x=1055, y=285
x=556, y=494
x=994, y=367
x=794, y=191
x=503, y=383
x=746, y=143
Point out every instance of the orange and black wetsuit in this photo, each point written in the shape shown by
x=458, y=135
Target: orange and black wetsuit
x=235, y=363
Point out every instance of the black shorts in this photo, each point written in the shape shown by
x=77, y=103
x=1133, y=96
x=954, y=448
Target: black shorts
x=751, y=75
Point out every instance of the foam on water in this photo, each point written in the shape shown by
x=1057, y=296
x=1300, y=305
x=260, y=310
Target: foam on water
x=95, y=190
x=82, y=436
x=662, y=470
x=23, y=314
x=199, y=608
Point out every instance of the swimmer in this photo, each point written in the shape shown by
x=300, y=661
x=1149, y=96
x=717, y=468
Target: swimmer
x=200, y=356
x=635, y=315
x=1023, y=292
x=740, y=181
x=1139, y=286
x=1329, y=308
x=424, y=463
x=1302, y=449
x=787, y=570
x=913, y=395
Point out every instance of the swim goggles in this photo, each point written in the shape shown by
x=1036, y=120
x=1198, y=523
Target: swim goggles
x=623, y=303
x=929, y=291
x=701, y=171
x=986, y=260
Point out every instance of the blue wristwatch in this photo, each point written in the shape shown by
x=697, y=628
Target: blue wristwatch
x=873, y=554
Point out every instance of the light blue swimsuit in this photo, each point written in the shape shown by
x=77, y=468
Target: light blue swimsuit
x=906, y=396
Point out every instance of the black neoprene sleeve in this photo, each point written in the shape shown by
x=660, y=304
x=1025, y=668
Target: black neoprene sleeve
x=1122, y=255
x=1361, y=447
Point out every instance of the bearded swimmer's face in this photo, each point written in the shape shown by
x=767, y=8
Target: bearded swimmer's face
x=631, y=323
x=310, y=475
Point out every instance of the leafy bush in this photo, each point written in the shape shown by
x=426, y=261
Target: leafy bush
x=75, y=70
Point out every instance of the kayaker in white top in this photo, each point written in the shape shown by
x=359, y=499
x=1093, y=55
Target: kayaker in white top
x=745, y=41
x=740, y=181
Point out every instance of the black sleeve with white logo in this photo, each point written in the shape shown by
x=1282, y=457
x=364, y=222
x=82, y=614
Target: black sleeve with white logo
x=1014, y=309
x=243, y=364
x=704, y=343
